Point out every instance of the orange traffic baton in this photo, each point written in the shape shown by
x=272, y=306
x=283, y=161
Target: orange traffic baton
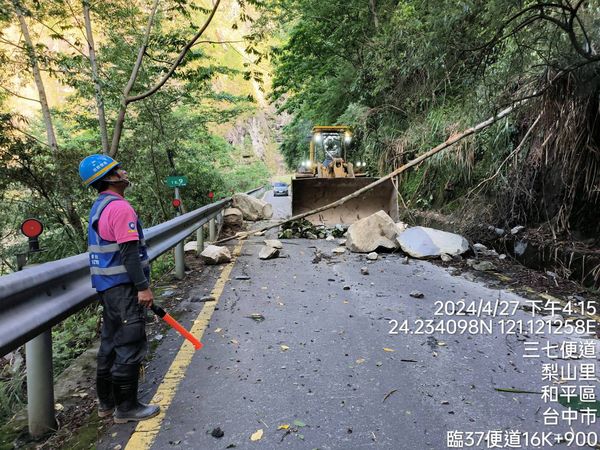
x=174, y=324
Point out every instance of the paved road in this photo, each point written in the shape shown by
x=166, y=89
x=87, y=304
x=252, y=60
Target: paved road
x=323, y=357
x=282, y=206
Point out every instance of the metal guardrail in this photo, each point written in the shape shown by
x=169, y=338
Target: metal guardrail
x=37, y=298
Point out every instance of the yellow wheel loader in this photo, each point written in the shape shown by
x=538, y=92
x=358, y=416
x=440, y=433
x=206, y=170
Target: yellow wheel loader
x=328, y=176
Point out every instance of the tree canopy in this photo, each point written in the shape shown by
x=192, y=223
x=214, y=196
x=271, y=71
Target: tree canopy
x=407, y=74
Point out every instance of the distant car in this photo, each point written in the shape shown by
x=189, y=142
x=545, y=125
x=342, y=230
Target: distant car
x=280, y=189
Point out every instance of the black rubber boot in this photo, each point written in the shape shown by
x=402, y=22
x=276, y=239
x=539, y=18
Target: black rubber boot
x=104, y=389
x=129, y=409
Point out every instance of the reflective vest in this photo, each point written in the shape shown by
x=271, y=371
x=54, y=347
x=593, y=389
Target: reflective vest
x=106, y=266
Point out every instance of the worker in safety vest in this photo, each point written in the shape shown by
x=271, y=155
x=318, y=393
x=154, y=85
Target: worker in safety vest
x=120, y=273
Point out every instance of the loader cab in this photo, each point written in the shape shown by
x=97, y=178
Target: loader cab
x=330, y=143
x=329, y=148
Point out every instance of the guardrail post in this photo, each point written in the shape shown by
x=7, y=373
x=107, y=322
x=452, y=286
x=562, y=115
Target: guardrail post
x=200, y=239
x=40, y=385
x=179, y=250
x=212, y=230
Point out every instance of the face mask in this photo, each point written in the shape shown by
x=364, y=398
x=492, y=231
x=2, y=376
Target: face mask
x=129, y=184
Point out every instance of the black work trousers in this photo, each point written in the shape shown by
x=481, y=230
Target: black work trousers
x=123, y=343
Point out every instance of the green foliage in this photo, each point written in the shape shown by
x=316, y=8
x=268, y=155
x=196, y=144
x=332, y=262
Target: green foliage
x=178, y=119
x=406, y=75
x=12, y=385
x=162, y=265
x=73, y=336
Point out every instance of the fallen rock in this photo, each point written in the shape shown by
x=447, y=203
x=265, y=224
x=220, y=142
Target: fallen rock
x=401, y=226
x=483, y=266
x=423, y=242
x=330, y=238
x=520, y=247
x=498, y=231
x=268, y=252
x=369, y=234
x=445, y=257
x=342, y=241
x=190, y=246
x=233, y=222
x=517, y=229
x=453, y=270
x=273, y=243
x=252, y=208
x=311, y=235
x=372, y=256
x=417, y=294
x=338, y=250
x=213, y=254
x=364, y=270
x=479, y=247
x=405, y=260
x=233, y=217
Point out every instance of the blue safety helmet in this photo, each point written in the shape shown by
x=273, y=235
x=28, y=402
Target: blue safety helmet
x=94, y=167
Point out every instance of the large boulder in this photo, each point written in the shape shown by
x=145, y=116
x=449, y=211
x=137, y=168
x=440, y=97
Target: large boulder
x=252, y=208
x=373, y=232
x=213, y=254
x=423, y=242
x=233, y=218
x=233, y=221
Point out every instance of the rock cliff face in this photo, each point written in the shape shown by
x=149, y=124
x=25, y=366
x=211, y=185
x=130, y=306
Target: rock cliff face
x=258, y=135
x=255, y=133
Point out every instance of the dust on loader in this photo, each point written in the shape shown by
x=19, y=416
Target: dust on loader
x=328, y=176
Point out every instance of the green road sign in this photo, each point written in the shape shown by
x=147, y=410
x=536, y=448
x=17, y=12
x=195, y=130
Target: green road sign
x=177, y=181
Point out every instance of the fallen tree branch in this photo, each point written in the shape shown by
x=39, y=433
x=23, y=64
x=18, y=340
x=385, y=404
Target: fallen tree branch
x=449, y=142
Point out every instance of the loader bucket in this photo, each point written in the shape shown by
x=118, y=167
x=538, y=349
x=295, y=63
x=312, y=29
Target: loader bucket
x=311, y=193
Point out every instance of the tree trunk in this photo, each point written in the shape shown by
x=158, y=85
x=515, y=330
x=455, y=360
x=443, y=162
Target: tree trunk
x=118, y=129
x=38, y=80
x=72, y=217
x=374, y=12
x=95, y=77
